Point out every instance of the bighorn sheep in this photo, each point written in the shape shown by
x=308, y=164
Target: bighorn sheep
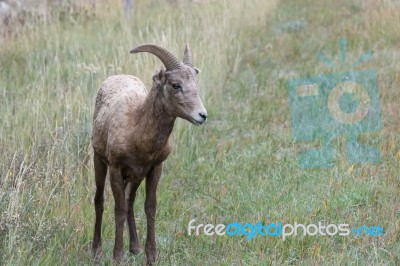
x=130, y=140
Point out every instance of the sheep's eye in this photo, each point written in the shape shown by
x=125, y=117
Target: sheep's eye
x=176, y=86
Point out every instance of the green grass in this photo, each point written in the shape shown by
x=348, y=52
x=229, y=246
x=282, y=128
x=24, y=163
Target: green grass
x=241, y=166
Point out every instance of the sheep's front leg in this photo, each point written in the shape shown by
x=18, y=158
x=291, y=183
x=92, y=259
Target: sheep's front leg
x=117, y=186
x=150, y=210
x=130, y=191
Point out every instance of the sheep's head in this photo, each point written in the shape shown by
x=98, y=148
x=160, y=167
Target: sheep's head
x=178, y=84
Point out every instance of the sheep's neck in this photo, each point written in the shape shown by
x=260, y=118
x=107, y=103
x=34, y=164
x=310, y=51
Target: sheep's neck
x=156, y=123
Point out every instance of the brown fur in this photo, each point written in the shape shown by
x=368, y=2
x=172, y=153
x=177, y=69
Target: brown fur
x=130, y=140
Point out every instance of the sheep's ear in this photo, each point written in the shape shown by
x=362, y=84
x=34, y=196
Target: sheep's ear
x=159, y=77
x=197, y=70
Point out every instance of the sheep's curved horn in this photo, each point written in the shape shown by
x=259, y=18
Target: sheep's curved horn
x=187, y=56
x=169, y=60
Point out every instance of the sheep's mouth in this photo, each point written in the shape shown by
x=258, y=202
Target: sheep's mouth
x=196, y=122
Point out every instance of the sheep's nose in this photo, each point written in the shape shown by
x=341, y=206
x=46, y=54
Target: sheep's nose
x=203, y=115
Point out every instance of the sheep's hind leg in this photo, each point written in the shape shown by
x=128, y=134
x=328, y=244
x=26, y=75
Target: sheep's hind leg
x=130, y=193
x=150, y=209
x=118, y=186
x=100, y=170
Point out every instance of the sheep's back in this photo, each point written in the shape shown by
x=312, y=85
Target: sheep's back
x=118, y=96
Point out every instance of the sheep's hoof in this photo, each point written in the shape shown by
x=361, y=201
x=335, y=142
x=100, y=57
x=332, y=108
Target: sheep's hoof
x=135, y=250
x=151, y=259
x=97, y=252
x=150, y=262
x=117, y=258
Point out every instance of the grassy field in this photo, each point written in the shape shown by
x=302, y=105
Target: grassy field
x=241, y=166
